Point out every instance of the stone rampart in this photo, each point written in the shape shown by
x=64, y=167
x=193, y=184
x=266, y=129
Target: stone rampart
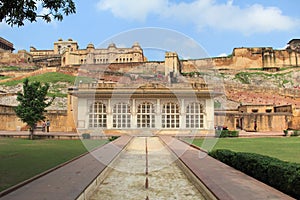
x=59, y=121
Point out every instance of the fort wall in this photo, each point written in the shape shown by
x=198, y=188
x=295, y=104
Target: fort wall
x=60, y=121
x=246, y=58
x=8, y=58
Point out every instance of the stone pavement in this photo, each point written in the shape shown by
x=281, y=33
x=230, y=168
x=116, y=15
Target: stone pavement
x=261, y=134
x=223, y=181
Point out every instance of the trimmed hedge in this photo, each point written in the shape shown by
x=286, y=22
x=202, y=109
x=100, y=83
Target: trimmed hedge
x=281, y=175
x=295, y=133
x=112, y=138
x=226, y=133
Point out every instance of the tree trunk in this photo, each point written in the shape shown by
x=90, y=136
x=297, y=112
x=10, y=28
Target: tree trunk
x=31, y=131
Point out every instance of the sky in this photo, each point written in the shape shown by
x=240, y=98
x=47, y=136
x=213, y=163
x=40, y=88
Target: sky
x=217, y=26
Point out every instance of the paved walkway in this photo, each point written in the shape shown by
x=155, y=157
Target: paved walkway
x=223, y=181
x=261, y=134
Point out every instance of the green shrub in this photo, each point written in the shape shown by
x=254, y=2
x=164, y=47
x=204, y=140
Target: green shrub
x=86, y=136
x=243, y=77
x=112, y=138
x=226, y=133
x=282, y=175
x=285, y=132
x=226, y=156
x=295, y=133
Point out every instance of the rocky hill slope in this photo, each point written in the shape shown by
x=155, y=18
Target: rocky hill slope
x=240, y=87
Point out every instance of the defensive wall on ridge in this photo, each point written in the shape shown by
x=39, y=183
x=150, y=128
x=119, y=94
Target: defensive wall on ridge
x=246, y=58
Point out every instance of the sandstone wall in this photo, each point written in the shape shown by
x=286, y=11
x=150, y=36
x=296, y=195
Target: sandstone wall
x=265, y=122
x=60, y=122
x=295, y=122
x=8, y=58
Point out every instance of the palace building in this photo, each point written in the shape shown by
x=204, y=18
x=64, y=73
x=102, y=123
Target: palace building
x=112, y=106
x=68, y=53
x=6, y=45
x=137, y=97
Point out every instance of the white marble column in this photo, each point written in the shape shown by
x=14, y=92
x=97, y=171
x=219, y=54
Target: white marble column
x=109, y=115
x=158, y=115
x=182, y=114
x=133, y=114
x=83, y=114
x=209, y=114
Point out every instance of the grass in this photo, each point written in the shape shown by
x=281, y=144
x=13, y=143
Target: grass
x=289, y=67
x=50, y=77
x=84, y=79
x=9, y=68
x=21, y=159
x=283, y=148
x=279, y=78
x=53, y=78
x=4, y=77
x=16, y=68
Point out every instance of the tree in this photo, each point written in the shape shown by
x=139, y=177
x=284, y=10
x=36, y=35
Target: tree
x=32, y=103
x=15, y=12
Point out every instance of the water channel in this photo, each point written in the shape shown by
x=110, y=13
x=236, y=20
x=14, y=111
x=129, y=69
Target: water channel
x=146, y=170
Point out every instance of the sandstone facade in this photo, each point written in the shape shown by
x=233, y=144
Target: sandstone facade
x=265, y=117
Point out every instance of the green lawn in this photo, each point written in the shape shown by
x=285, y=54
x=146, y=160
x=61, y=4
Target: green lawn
x=283, y=148
x=50, y=77
x=21, y=159
x=4, y=77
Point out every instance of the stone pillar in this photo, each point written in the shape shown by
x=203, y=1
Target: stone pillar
x=83, y=114
x=209, y=114
x=109, y=115
x=158, y=115
x=182, y=115
x=133, y=115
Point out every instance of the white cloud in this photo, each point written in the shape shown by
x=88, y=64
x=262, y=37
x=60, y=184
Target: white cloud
x=222, y=55
x=205, y=13
x=40, y=9
x=43, y=11
x=133, y=9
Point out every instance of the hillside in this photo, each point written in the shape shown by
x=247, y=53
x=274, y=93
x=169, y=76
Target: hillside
x=245, y=86
x=58, y=82
x=259, y=87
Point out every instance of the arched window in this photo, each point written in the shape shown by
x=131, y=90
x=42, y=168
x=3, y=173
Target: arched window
x=146, y=115
x=97, y=115
x=121, y=116
x=194, y=116
x=170, y=115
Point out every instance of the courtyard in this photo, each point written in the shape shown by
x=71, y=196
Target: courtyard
x=23, y=159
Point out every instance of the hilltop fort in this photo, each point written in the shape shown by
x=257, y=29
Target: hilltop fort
x=260, y=86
